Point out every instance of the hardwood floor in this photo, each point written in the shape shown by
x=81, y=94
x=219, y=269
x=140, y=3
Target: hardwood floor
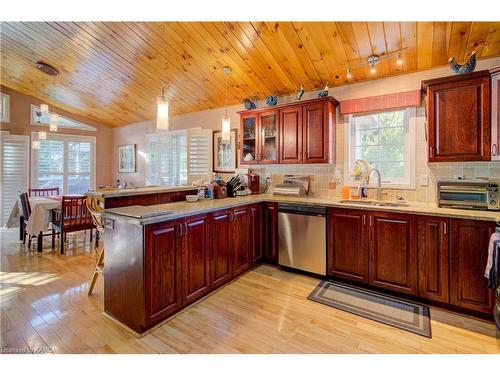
x=45, y=308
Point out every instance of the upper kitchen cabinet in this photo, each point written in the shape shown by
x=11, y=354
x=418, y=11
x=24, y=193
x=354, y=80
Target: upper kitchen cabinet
x=249, y=136
x=495, y=113
x=292, y=133
x=268, y=137
x=458, y=117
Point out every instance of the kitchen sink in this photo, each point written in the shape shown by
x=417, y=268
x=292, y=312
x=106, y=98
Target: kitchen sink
x=374, y=203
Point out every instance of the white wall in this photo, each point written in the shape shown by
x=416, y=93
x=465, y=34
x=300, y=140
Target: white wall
x=323, y=183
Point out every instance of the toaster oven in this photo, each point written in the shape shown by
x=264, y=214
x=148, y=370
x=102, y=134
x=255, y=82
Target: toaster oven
x=472, y=195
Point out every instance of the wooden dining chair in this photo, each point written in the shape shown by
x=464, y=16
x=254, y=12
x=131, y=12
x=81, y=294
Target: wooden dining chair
x=43, y=192
x=73, y=216
x=95, y=205
x=25, y=209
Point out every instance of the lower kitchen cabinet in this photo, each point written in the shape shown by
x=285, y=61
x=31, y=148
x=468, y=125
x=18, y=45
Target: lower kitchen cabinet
x=195, y=258
x=468, y=254
x=256, y=242
x=163, y=276
x=393, y=251
x=433, y=258
x=222, y=255
x=241, y=240
x=347, y=254
x=271, y=231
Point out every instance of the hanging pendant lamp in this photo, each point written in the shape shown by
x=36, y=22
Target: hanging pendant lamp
x=54, y=118
x=162, y=122
x=226, y=122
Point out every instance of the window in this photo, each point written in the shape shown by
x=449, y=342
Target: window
x=64, y=161
x=179, y=157
x=38, y=118
x=386, y=140
x=4, y=107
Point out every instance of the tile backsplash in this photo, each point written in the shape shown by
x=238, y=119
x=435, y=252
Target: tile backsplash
x=323, y=181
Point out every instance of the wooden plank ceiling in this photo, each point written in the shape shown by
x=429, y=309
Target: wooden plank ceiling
x=112, y=72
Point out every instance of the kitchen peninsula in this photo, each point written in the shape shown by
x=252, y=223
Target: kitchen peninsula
x=145, y=196
x=161, y=258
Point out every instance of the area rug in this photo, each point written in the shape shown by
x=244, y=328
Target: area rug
x=395, y=312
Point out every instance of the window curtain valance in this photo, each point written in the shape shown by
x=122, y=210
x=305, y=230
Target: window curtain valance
x=381, y=102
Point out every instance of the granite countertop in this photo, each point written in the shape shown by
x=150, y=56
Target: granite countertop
x=115, y=192
x=169, y=211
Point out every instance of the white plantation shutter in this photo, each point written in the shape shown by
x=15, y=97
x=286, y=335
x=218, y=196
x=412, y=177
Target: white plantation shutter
x=14, y=171
x=179, y=157
x=199, y=154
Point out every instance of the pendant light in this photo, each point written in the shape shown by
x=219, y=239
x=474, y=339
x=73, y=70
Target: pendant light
x=54, y=119
x=162, y=111
x=226, y=122
x=162, y=122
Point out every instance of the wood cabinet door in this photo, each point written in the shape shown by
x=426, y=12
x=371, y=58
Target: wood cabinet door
x=459, y=120
x=256, y=233
x=271, y=231
x=163, y=282
x=268, y=137
x=495, y=114
x=195, y=258
x=347, y=244
x=393, y=251
x=290, y=135
x=249, y=136
x=468, y=256
x=315, y=133
x=433, y=258
x=222, y=256
x=241, y=241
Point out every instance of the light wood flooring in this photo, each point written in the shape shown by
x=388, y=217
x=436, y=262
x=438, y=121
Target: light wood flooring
x=45, y=309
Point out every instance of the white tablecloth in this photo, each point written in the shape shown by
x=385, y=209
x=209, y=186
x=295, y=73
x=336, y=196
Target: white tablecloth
x=40, y=214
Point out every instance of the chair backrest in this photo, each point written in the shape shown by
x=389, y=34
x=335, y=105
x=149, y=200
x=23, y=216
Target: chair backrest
x=74, y=211
x=95, y=205
x=43, y=192
x=24, y=205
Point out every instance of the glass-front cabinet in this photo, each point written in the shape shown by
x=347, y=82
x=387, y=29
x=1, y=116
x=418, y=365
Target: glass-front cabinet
x=259, y=138
x=268, y=142
x=249, y=138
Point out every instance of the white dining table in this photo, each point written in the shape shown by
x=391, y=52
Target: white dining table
x=39, y=219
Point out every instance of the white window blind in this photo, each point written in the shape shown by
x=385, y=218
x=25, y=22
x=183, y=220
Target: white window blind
x=386, y=140
x=64, y=161
x=179, y=157
x=14, y=171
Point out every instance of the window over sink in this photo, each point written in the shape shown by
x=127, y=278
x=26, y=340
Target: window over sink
x=386, y=140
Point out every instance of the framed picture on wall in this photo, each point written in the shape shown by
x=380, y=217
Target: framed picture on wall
x=225, y=153
x=126, y=158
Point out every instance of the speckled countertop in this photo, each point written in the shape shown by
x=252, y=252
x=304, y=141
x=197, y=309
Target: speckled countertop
x=115, y=192
x=169, y=211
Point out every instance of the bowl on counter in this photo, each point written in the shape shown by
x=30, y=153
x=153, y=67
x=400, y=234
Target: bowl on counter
x=192, y=198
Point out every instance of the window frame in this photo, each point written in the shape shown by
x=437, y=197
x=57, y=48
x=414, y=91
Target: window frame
x=409, y=150
x=65, y=138
x=5, y=105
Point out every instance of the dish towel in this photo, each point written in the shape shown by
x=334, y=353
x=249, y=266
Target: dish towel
x=492, y=271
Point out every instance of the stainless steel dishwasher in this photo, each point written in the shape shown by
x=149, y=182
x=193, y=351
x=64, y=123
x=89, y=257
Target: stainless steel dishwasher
x=302, y=237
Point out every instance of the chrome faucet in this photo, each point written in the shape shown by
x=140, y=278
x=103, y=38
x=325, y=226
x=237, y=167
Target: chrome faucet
x=379, y=182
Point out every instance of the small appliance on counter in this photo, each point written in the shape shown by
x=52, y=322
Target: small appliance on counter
x=468, y=195
x=253, y=182
x=294, y=185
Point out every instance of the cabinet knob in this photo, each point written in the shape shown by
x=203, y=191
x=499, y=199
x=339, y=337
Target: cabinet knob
x=494, y=149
